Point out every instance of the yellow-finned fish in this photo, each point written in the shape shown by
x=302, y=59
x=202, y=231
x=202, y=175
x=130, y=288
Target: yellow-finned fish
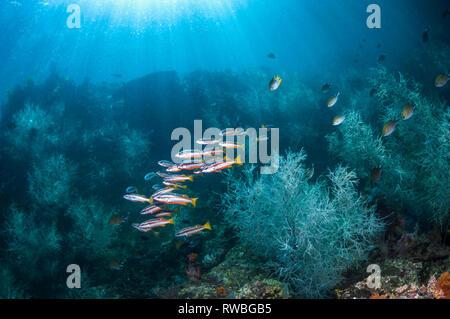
x=337, y=120
x=333, y=100
x=175, y=199
x=189, y=231
x=408, y=111
x=137, y=198
x=389, y=127
x=441, y=80
x=215, y=167
x=275, y=83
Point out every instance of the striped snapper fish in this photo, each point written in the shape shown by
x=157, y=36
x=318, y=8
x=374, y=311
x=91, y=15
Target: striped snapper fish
x=189, y=231
x=175, y=199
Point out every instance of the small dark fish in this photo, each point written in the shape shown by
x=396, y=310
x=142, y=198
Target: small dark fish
x=131, y=189
x=375, y=174
x=12, y=125
x=271, y=55
x=378, y=45
x=355, y=60
x=149, y=176
x=381, y=58
x=117, y=220
x=445, y=14
x=310, y=172
x=116, y=75
x=372, y=92
x=425, y=37
x=326, y=87
x=115, y=264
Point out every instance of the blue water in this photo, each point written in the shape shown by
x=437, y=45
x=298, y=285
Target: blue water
x=86, y=113
x=134, y=38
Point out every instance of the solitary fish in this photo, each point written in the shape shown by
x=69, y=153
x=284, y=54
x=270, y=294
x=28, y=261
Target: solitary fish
x=333, y=100
x=271, y=55
x=175, y=199
x=189, y=231
x=117, y=220
x=441, y=80
x=115, y=265
x=425, y=37
x=310, y=172
x=375, y=174
x=338, y=120
x=372, y=92
x=325, y=87
x=274, y=84
x=381, y=58
x=407, y=111
x=389, y=127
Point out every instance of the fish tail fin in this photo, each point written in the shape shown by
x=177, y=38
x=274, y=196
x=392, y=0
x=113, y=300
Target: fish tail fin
x=242, y=146
x=171, y=221
x=135, y=225
x=194, y=201
x=191, y=178
x=238, y=160
x=207, y=225
x=150, y=200
x=263, y=126
x=338, y=93
x=156, y=233
x=184, y=187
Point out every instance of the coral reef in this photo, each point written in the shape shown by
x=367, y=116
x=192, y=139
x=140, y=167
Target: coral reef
x=416, y=268
x=415, y=158
x=306, y=235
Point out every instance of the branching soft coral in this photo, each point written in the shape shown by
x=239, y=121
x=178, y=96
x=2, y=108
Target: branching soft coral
x=91, y=229
x=29, y=239
x=50, y=181
x=308, y=233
